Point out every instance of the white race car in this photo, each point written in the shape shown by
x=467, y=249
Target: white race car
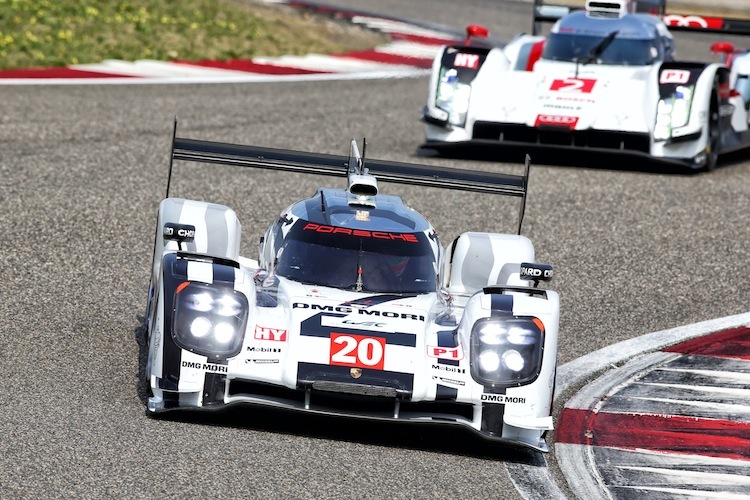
x=353, y=307
x=603, y=80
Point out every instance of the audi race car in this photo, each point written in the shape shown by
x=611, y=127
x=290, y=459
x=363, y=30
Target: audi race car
x=353, y=307
x=604, y=79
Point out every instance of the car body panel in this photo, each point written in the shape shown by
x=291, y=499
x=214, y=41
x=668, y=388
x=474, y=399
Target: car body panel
x=460, y=335
x=622, y=93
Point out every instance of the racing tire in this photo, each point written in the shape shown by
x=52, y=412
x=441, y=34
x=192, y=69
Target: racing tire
x=714, y=133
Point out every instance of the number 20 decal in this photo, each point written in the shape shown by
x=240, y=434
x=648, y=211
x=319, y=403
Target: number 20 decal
x=357, y=350
x=583, y=85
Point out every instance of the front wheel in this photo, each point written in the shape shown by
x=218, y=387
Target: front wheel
x=714, y=134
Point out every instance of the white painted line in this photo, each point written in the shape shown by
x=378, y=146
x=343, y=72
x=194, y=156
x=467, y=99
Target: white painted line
x=318, y=62
x=245, y=78
x=148, y=68
x=409, y=49
x=685, y=493
x=534, y=481
x=729, y=409
x=691, y=475
x=709, y=389
x=735, y=376
x=390, y=26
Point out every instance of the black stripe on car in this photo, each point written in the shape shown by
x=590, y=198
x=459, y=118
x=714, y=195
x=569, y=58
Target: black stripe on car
x=313, y=327
x=493, y=413
x=445, y=393
x=309, y=373
x=175, y=272
x=447, y=338
x=501, y=304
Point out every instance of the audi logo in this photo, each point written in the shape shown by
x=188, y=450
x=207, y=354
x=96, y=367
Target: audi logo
x=563, y=120
x=685, y=21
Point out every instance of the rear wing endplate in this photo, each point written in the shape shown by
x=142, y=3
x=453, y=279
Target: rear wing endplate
x=338, y=166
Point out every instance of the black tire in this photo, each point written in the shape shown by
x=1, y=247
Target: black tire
x=714, y=133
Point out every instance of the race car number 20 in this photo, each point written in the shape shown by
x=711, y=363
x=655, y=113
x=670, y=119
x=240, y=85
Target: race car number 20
x=358, y=351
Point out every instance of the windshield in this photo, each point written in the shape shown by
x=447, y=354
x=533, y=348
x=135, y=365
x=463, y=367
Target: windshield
x=622, y=51
x=358, y=260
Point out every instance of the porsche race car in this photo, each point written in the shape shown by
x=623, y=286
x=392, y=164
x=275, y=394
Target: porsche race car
x=604, y=79
x=352, y=307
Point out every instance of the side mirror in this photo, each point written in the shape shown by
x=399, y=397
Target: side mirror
x=181, y=233
x=536, y=272
x=475, y=31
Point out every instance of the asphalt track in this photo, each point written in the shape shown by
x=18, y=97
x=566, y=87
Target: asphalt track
x=83, y=168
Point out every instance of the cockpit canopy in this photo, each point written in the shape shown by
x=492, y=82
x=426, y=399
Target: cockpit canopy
x=358, y=259
x=636, y=40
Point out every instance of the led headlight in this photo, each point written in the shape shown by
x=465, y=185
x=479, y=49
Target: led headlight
x=506, y=351
x=209, y=319
x=673, y=112
x=452, y=96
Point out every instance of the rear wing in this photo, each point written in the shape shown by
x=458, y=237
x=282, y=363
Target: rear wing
x=722, y=17
x=338, y=166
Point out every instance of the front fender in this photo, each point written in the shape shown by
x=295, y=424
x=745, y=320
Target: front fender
x=453, y=71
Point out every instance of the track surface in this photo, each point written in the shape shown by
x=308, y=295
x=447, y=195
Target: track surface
x=82, y=170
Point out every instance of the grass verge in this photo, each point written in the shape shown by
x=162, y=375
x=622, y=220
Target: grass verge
x=47, y=33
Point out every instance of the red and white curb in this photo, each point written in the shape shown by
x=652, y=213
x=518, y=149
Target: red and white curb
x=669, y=424
x=409, y=53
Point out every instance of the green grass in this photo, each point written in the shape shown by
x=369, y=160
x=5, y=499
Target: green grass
x=45, y=33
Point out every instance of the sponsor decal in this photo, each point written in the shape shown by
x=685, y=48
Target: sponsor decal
x=462, y=60
x=371, y=324
x=182, y=232
x=275, y=334
x=357, y=351
x=582, y=85
x=262, y=361
x=536, y=272
x=502, y=399
x=382, y=235
x=674, y=76
x=209, y=367
x=362, y=312
x=445, y=352
x=449, y=368
x=449, y=380
x=264, y=349
x=556, y=121
x=700, y=22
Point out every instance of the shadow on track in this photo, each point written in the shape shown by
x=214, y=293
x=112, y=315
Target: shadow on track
x=569, y=158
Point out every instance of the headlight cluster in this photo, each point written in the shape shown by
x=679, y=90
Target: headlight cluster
x=452, y=96
x=209, y=319
x=506, y=351
x=673, y=112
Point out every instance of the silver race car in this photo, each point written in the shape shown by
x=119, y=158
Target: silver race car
x=604, y=79
x=353, y=307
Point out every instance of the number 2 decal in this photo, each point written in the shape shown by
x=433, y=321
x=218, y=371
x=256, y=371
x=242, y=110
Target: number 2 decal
x=357, y=350
x=583, y=85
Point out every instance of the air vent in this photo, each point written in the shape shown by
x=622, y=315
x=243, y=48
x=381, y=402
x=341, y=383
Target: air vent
x=608, y=8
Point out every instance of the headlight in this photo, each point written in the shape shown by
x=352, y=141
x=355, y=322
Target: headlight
x=673, y=112
x=452, y=96
x=209, y=319
x=506, y=351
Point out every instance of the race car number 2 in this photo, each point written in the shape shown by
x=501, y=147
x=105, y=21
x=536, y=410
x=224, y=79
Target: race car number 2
x=582, y=85
x=357, y=350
